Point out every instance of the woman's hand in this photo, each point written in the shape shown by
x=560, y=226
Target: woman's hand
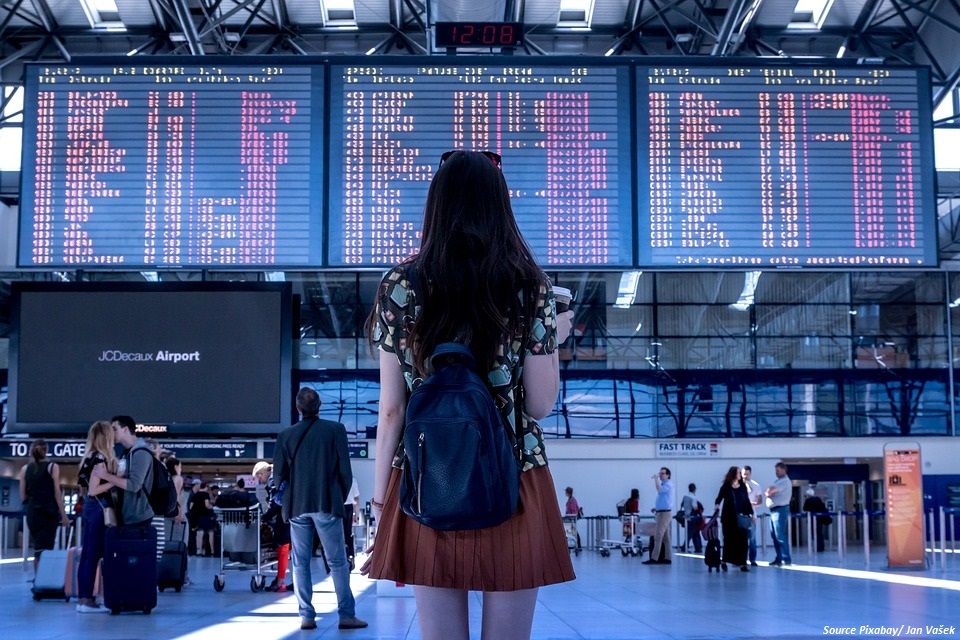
x=564, y=324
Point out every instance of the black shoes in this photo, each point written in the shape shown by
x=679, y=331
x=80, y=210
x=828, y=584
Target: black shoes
x=744, y=568
x=753, y=563
x=307, y=625
x=657, y=562
x=351, y=623
x=776, y=563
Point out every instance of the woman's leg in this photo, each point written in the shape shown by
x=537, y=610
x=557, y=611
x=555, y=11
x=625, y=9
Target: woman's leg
x=442, y=613
x=93, y=538
x=508, y=615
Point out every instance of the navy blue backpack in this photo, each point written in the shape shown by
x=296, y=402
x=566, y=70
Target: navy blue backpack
x=462, y=468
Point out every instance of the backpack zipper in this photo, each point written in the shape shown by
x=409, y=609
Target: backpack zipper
x=420, y=473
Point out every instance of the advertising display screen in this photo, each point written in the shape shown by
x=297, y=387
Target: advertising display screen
x=203, y=359
x=192, y=164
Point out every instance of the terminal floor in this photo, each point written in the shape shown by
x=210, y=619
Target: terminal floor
x=612, y=598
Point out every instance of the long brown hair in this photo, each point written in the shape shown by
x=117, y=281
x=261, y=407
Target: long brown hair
x=732, y=474
x=476, y=278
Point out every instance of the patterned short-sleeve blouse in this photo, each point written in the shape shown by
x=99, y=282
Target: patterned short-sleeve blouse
x=396, y=311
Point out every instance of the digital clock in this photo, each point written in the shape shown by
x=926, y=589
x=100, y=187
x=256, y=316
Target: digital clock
x=478, y=34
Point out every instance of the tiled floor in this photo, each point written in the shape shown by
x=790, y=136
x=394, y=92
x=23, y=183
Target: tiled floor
x=613, y=598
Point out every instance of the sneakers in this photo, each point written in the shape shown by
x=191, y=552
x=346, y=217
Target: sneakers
x=351, y=623
x=85, y=608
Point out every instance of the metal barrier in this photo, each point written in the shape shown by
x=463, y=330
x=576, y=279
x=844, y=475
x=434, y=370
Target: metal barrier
x=941, y=532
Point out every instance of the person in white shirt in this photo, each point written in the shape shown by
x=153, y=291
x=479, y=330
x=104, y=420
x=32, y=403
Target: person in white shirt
x=693, y=518
x=778, y=501
x=756, y=499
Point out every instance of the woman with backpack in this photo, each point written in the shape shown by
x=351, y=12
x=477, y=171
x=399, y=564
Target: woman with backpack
x=474, y=283
x=40, y=492
x=98, y=502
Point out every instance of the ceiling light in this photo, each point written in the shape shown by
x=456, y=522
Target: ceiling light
x=103, y=14
x=371, y=51
x=841, y=51
x=575, y=13
x=810, y=14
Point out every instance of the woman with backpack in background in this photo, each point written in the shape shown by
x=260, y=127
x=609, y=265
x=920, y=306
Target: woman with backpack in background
x=474, y=282
x=98, y=502
x=40, y=492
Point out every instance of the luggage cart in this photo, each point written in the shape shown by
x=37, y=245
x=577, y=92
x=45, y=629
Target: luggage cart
x=631, y=544
x=247, y=517
x=573, y=536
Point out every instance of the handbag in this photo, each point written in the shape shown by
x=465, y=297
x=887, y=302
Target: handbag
x=744, y=522
x=109, y=515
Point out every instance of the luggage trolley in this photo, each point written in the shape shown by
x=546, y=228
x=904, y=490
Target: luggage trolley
x=245, y=517
x=631, y=544
x=573, y=536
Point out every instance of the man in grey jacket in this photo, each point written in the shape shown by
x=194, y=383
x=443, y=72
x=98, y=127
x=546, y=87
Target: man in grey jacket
x=313, y=458
x=138, y=474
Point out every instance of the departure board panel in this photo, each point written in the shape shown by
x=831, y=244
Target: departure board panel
x=563, y=132
x=785, y=166
x=191, y=164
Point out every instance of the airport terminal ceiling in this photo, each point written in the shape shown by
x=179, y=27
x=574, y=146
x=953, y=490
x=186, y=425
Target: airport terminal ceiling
x=658, y=322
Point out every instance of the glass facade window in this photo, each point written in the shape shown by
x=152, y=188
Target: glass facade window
x=677, y=354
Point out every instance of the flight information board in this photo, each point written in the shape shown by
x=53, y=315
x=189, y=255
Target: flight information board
x=190, y=164
x=563, y=132
x=777, y=166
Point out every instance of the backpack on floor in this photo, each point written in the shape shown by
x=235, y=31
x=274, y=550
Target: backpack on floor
x=462, y=469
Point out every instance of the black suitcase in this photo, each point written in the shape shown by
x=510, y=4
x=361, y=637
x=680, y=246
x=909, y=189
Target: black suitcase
x=130, y=569
x=172, y=570
x=711, y=555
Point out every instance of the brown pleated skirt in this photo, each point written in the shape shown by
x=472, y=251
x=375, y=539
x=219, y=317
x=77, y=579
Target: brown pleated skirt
x=528, y=550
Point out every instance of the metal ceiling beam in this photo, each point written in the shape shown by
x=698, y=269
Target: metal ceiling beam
x=726, y=28
x=189, y=28
x=241, y=5
x=26, y=50
x=280, y=13
x=11, y=12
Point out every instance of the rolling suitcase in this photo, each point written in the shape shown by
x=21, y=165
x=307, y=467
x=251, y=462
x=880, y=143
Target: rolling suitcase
x=51, y=578
x=130, y=569
x=173, y=566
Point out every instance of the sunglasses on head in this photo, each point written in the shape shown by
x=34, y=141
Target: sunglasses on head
x=489, y=155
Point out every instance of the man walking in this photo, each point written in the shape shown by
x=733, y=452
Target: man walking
x=312, y=457
x=756, y=499
x=778, y=500
x=662, y=509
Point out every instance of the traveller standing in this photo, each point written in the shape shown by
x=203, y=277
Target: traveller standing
x=138, y=466
x=663, y=510
x=778, y=501
x=693, y=518
x=97, y=500
x=755, y=493
x=474, y=281
x=313, y=458
x=40, y=492
x=735, y=518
